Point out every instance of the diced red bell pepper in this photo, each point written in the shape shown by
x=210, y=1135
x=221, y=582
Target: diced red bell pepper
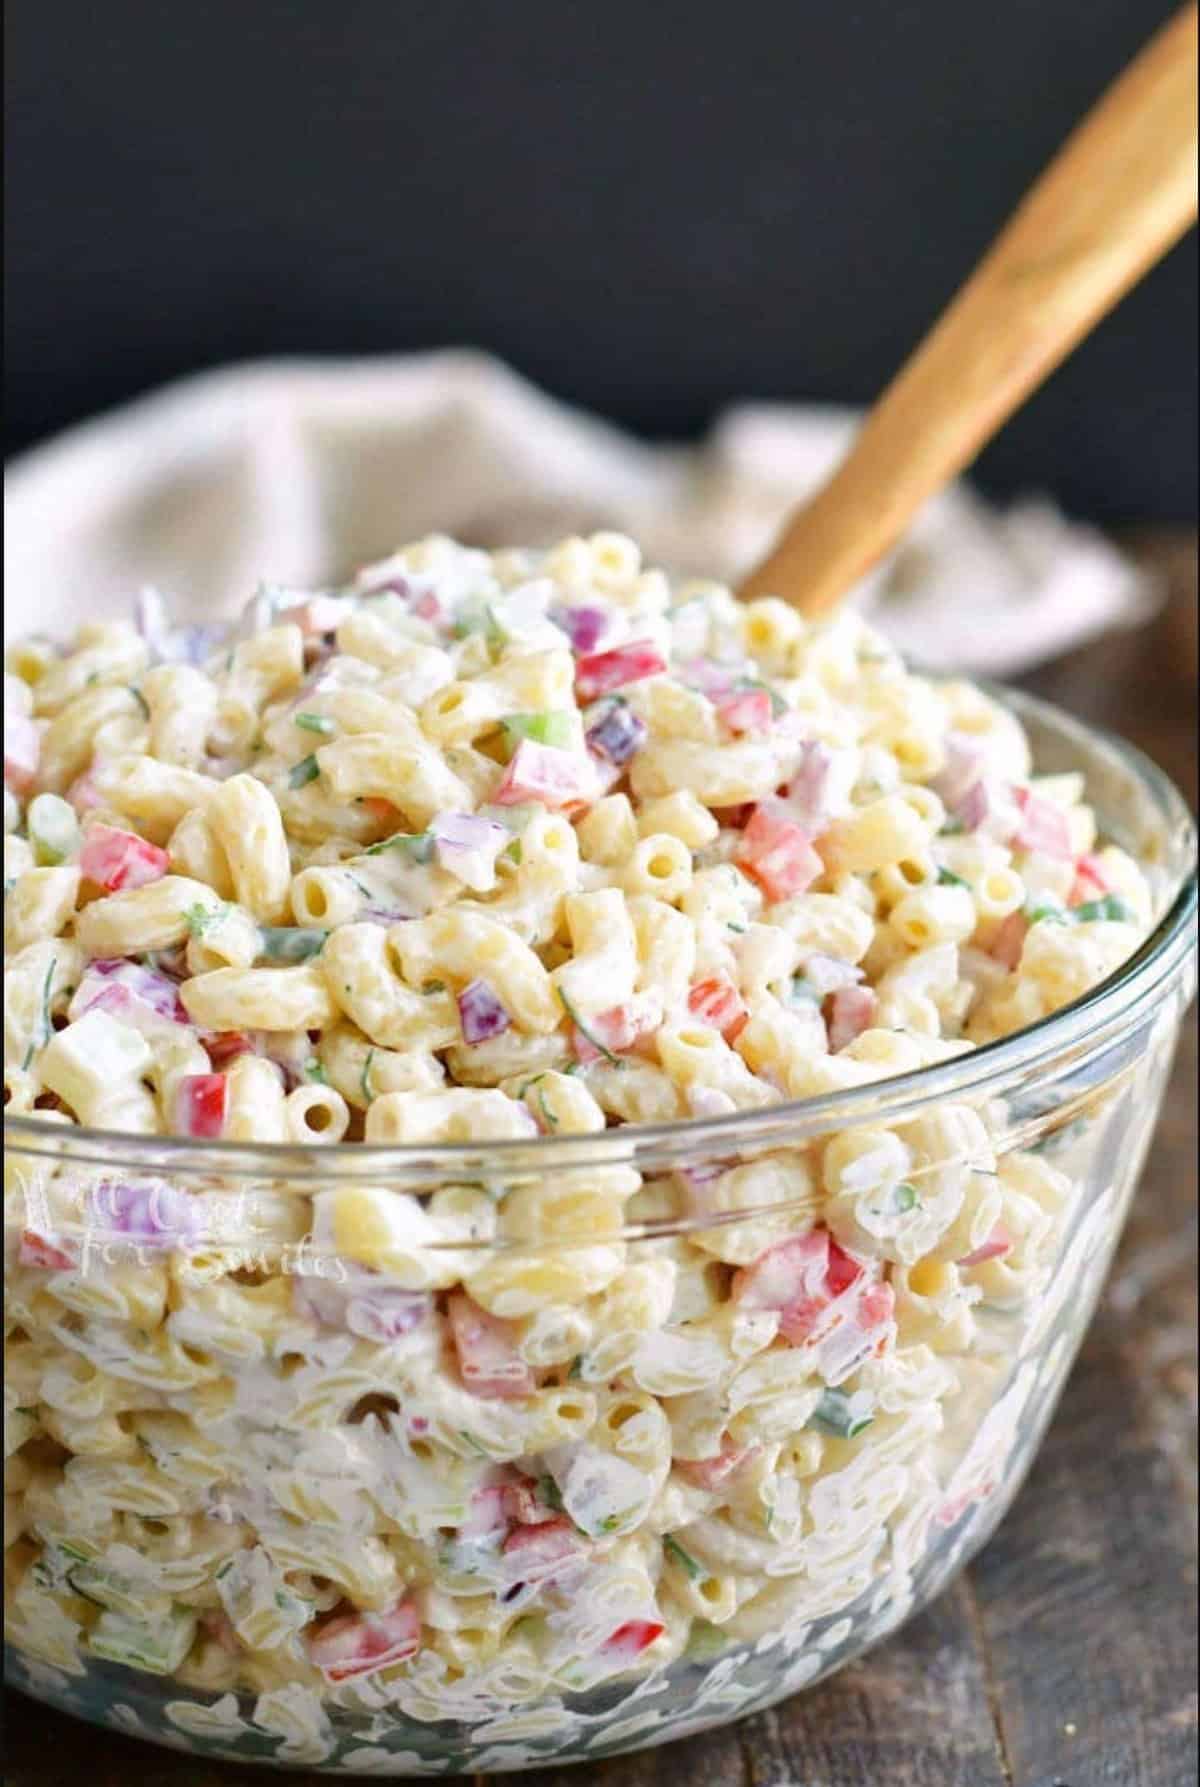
x=615, y=1030
x=116, y=860
x=486, y=1346
x=631, y=1639
x=776, y=853
x=997, y=1244
x=1044, y=829
x=536, y=1551
x=1009, y=940
x=200, y=1104
x=224, y=1046
x=22, y=748
x=487, y=1513
x=1091, y=881
x=718, y=1003
x=710, y=1473
x=746, y=710
x=602, y=672
x=544, y=773
x=814, y=1284
x=363, y=1643
x=851, y=1011
x=36, y=1250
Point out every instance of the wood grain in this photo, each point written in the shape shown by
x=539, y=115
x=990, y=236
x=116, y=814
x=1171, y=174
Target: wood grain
x=1118, y=194
x=1066, y=1655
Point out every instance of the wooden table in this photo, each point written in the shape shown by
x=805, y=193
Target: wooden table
x=1065, y=1656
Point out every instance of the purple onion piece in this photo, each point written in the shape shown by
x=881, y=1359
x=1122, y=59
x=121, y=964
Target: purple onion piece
x=973, y=806
x=480, y=1013
x=619, y=735
x=807, y=791
x=387, y=1312
x=467, y=846
x=119, y=986
x=962, y=770
x=153, y=1214
x=584, y=627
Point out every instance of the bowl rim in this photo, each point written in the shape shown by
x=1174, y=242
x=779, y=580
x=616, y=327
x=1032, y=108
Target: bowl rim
x=1078, y=1029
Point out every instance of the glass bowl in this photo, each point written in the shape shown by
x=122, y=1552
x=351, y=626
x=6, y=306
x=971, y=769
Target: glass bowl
x=209, y=1453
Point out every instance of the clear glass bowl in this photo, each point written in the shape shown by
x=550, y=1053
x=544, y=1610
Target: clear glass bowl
x=345, y=1489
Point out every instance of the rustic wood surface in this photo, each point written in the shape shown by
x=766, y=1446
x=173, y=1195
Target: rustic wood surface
x=1066, y=1655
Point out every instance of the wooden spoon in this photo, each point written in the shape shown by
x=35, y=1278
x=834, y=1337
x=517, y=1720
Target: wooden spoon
x=1118, y=194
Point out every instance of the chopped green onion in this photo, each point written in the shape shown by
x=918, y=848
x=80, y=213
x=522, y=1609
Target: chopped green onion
x=364, y=1078
x=687, y=1563
x=200, y=919
x=1047, y=913
x=46, y=1026
x=314, y=723
x=575, y=1370
x=845, y=1416
x=291, y=943
x=53, y=829
x=951, y=828
x=947, y=878
x=417, y=845
x=553, y=727
x=304, y=772
x=548, y=1489
x=314, y=1071
x=906, y=1197
x=1114, y=910
x=579, y=1024
x=141, y=700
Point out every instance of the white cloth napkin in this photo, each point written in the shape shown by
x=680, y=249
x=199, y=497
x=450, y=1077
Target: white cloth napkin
x=296, y=471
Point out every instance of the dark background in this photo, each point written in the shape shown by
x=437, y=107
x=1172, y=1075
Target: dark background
x=652, y=208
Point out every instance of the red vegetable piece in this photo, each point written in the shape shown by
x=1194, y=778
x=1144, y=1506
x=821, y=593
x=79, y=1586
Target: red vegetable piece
x=116, y=860
x=998, y=1243
x=600, y=673
x=746, y=710
x=545, y=773
x=488, y=1359
x=1009, y=940
x=631, y=1639
x=775, y=853
x=718, y=1003
x=363, y=1643
x=1091, y=881
x=200, y=1102
x=36, y=1250
x=851, y=1011
x=1044, y=829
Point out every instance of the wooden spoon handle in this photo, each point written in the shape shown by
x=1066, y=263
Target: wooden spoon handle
x=1118, y=194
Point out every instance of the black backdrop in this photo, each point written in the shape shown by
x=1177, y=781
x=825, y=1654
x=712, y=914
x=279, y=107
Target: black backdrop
x=651, y=206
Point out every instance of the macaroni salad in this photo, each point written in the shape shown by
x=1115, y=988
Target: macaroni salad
x=494, y=847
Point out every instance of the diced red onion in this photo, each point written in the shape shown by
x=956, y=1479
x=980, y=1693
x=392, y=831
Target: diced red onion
x=480, y=1013
x=130, y=992
x=962, y=770
x=585, y=627
x=467, y=846
x=153, y=1214
x=851, y=1011
x=807, y=792
x=618, y=735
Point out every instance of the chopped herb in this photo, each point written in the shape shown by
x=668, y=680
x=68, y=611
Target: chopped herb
x=804, y=989
x=304, y=772
x=684, y=1559
x=314, y=723
x=417, y=846
x=1048, y=914
x=579, y=1024
x=1114, y=910
x=291, y=943
x=548, y=1489
x=739, y=930
x=92, y=680
x=952, y=828
x=46, y=1026
x=906, y=1197
x=612, y=1523
x=314, y=1071
x=141, y=701
x=947, y=878
x=471, y=1441
x=842, y=1415
x=430, y=987
x=576, y=1368
x=200, y=919
x=364, y=1078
